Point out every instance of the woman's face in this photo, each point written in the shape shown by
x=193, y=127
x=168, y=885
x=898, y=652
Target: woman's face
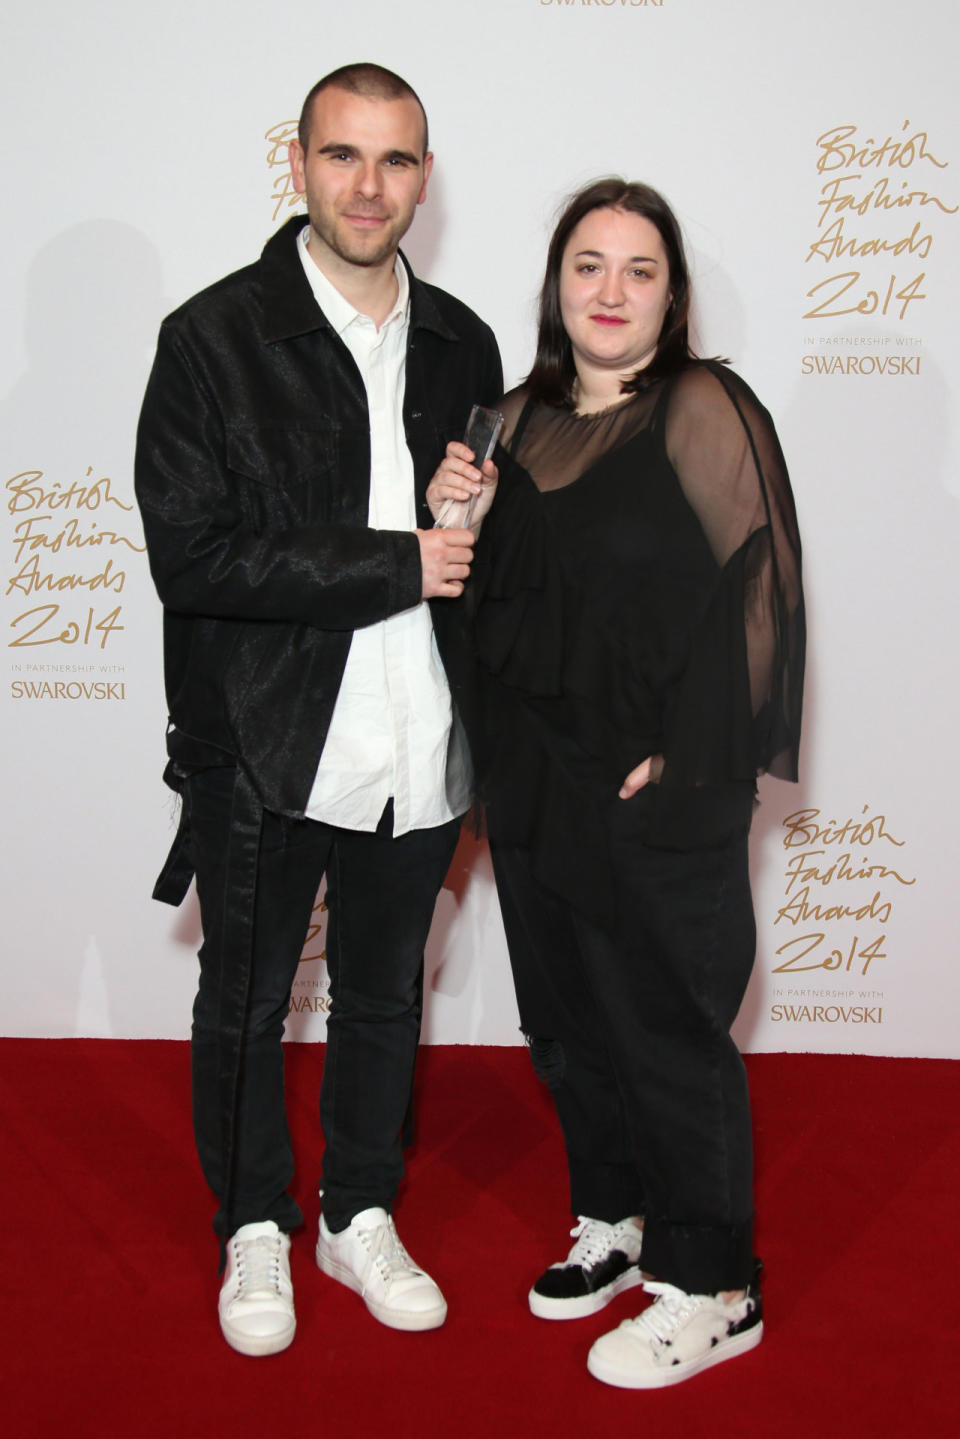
x=614, y=291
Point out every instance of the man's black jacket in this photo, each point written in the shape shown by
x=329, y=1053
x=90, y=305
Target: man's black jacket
x=252, y=473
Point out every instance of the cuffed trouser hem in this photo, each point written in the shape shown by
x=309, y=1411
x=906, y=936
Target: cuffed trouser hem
x=699, y=1258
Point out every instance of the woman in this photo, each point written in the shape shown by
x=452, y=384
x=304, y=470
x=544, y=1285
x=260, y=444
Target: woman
x=640, y=618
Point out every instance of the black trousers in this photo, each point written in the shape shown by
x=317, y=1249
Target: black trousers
x=631, y=1033
x=381, y=893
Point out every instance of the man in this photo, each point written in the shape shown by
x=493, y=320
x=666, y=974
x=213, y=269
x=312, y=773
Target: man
x=294, y=416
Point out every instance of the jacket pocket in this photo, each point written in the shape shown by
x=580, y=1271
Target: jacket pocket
x=284, y=474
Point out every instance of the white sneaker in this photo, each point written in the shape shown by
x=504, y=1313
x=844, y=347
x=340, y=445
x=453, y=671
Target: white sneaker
x=369, y=1259
x=603, y=1263
x=256, y=1297
x=679, y=1335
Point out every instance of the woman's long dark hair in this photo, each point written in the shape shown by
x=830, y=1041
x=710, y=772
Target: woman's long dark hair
x=552, y=378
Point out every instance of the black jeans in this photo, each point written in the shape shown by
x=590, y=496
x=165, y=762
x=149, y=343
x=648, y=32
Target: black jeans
x=631, y=1033
x=380, y=899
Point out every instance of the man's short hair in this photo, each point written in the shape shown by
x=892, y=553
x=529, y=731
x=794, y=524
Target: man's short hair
x=372, y=81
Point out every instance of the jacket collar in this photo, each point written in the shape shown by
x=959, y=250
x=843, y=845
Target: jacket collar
x=289, y=307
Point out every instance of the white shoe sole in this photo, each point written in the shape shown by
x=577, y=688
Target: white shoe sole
x=413, y=1321
x=256, y=1346
x=545, y=1307
x=623, y=1377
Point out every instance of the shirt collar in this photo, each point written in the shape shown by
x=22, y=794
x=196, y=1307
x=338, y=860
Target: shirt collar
x=338, y=310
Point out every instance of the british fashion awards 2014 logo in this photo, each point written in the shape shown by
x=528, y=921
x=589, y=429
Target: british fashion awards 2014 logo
x=842, y=884
x=72, y=542
x=879, y=208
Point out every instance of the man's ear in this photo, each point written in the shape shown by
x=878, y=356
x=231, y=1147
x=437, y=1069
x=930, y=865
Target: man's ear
x=297, y=166
x=427, y=167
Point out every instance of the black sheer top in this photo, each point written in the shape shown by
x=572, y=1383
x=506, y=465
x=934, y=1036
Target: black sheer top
x=639, y=594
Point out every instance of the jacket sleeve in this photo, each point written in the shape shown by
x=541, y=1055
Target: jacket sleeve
x=209, y=557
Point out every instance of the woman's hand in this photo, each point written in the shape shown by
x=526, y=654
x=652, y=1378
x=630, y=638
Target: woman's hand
x=648, y=772
x=458, y=479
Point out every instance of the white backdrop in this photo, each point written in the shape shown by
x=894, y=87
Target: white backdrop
x=813, y=156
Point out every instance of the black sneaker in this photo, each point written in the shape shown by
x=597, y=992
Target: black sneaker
x=603, y=1263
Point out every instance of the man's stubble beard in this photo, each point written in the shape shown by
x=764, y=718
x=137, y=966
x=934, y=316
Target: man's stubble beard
x=357, y=254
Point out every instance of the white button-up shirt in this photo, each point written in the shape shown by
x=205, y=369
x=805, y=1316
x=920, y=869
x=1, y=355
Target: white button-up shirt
x=391, y=723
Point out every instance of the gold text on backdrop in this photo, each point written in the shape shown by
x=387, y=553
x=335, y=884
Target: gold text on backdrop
x=896, y=215
x=71, y=541
x=842, y=881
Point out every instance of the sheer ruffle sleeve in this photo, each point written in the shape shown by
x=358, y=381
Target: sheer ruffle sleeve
x=735, y=709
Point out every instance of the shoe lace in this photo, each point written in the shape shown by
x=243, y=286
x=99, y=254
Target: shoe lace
x=668, y=1313
x=593, y=1238
x=258, y=1264
x=385, y=1248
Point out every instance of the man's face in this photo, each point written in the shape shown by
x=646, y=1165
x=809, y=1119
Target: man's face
x=363, y=175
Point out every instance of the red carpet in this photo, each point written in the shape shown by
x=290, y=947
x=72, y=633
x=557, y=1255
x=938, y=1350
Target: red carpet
x=109, y=1301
